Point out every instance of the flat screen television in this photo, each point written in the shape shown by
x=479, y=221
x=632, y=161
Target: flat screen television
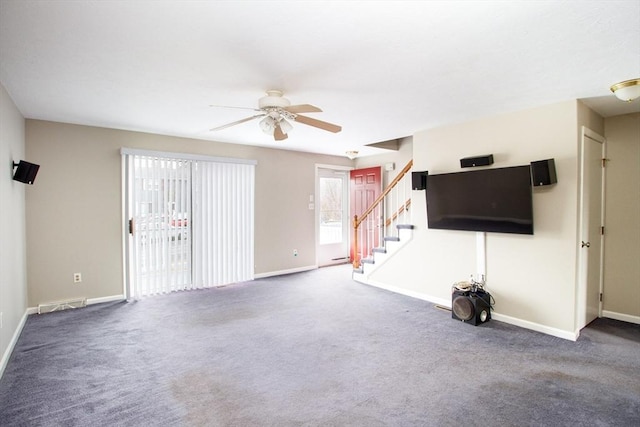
x=495, y=200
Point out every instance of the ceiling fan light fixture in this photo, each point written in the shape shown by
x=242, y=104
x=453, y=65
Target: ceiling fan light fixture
x=627, y=90
x=285, y=126
x=268, y=125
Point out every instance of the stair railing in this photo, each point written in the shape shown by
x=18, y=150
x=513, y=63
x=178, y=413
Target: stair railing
x=378, y=220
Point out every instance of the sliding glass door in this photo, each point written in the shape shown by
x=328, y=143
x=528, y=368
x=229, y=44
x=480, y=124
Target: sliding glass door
x=190, y=222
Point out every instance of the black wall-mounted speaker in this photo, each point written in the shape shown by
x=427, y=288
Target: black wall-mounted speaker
x=469, y=162
x=419, y=180
x=543, y=172
x=471, y=307
x=26, y=172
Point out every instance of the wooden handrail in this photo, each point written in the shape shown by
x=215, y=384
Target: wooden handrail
x=357, y=220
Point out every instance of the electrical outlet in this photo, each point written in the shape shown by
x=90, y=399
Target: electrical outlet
x=295, y=252
x=77, y=277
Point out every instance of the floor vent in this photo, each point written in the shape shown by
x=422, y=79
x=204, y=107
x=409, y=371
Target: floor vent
x=62, y=305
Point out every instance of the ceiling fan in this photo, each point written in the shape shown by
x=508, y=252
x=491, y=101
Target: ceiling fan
x=276, y=112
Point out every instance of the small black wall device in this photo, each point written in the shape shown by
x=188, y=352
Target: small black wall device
x=469, y=162
x=419, y=180
x=543, y=172
x=26, y=172
x=471, y=307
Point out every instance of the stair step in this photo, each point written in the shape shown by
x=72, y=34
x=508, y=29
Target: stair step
x=369, y=263
x=405, y=227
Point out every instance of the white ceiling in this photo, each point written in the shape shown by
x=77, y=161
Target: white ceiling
x=381, y=69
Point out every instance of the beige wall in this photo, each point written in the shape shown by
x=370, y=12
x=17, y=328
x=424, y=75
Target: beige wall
x=74, y=214
x=533, y=278
x=622, y=219
x=13, y=271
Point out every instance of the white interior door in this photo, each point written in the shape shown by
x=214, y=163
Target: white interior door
x=332, y=213
x=590, y=252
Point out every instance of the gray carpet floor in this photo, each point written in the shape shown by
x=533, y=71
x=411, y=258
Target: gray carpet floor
x=311, y=349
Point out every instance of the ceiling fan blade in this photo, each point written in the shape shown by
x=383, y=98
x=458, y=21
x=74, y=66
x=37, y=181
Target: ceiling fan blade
x=318, y=123
x=237, y=122
x=278, y=135
x=302, y=108
x=237, y=108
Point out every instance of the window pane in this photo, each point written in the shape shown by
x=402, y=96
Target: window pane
x=330, y=210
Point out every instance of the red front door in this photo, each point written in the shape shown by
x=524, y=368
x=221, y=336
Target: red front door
x=366, y=186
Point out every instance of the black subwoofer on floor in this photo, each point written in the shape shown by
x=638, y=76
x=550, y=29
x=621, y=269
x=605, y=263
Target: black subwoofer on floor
x=471, y=307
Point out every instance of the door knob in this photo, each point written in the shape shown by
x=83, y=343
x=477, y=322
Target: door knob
x=586, y=244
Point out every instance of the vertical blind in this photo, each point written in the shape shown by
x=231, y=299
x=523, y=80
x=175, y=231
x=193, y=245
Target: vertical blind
x=160, y=248
x=192, y=222
x=223, y=218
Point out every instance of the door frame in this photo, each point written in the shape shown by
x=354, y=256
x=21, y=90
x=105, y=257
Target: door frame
x=582, y=261
x=316, y=206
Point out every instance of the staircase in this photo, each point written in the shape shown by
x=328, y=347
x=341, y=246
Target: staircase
x=392, y=244
x=384, y=227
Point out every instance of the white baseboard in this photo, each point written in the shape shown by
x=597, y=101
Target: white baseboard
x=621, y=316
x=100, y=300
x=12, y=343
x=560, y=333
x=412, y=294
x=568, y=335
x=282, y=272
